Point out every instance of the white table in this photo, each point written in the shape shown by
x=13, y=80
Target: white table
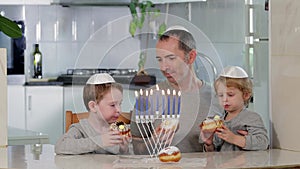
x=22, y=137
x=24, y=157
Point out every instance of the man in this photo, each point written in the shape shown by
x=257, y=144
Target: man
x=176, y=53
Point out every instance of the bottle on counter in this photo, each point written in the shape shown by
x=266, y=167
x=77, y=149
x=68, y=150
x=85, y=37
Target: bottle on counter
x=37, y=62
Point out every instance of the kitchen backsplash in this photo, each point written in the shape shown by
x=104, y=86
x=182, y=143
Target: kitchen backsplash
x=98, y=36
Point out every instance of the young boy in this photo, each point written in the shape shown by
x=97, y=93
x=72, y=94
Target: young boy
x=102, y=97
x=242, y=129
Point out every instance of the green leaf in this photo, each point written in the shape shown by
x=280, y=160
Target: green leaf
x=162, y=29
x=132, y=28
x=10, y=28
x=132, y=8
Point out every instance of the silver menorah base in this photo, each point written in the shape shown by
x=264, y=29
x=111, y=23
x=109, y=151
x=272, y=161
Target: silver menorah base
x=158, y=137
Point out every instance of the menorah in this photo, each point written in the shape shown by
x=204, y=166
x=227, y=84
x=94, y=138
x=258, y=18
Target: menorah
x=157, y=105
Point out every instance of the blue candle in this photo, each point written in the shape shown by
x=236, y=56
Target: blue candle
x=147, y=99
x=168, y=92
x=163, y=102
x=157, y=100
x=136, y=103
x=179, y=102
x=174, y=95
x=141, y=100
x=151, y=101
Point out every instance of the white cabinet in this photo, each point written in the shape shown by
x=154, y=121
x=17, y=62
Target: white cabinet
x=25, y=2
x=73, y=98
x=44, y=110
x=16, y=106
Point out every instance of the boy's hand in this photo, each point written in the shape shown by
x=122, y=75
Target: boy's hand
x=111, y=138
x=207, y=137
x=228, y=136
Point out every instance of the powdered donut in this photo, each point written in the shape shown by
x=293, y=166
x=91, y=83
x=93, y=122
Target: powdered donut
x=169, y=154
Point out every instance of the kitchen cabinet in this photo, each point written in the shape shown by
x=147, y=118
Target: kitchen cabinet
x=44, y=110
x=25, y=2
x=16, y=106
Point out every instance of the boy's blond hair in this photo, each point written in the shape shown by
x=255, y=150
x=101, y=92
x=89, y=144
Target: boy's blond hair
x=243, y=84
x=95, y=92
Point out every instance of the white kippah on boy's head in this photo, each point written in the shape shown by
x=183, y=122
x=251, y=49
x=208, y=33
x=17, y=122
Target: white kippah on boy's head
x=176, y=27
x=101, y=78
x=234, y=72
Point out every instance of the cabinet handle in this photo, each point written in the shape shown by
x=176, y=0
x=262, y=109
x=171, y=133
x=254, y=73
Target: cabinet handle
x=29, y=103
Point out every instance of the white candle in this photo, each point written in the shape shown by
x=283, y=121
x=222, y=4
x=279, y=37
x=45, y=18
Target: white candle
x=163, y=102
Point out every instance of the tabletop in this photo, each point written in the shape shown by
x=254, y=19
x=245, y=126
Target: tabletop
x=23, y=156
x=18, y=136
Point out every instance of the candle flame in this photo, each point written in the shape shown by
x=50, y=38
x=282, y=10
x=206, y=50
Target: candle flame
x=168, y=91
x=179, y=93
x=151, y=92
x=136, y=93
x=147, y=92
x=141, y=92
x=163, y=92
x=157, y=87
x=174, y=93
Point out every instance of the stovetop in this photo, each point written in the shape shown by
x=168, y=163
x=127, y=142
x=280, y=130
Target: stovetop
x=80, y=76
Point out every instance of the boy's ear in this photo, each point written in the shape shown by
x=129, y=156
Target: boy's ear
x=247, y=96
x=92, y=106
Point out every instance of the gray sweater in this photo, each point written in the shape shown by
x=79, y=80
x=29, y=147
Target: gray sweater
x=81, y=138
x=257, y=138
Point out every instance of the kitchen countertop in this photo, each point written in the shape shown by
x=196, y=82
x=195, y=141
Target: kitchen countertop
x=24, y=157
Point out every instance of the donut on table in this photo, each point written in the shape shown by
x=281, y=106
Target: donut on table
x=169, y=154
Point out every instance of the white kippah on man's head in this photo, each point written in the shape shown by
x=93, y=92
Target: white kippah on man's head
x=101, y=78
x=177, y=27
x=234, y=72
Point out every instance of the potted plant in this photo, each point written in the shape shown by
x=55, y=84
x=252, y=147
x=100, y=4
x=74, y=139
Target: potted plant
x=141, y=12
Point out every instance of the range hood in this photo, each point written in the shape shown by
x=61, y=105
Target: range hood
x=91, y=2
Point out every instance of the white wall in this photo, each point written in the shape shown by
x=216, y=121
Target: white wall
x=285, y=73
x=3, y=110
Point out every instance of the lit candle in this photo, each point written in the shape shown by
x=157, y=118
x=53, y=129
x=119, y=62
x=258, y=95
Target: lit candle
x=168, y=92
x=141, y=100
x=151, y=101
x=163, y=102
x=157, y=100
x=179, y=102
x=174, y=95
x=147, y=99
x=136, y=103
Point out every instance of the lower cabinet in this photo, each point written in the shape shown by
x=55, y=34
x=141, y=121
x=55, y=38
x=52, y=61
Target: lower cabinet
x=16, y=106
x=44, y=110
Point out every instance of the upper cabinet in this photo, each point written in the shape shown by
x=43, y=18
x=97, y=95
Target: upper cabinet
x=25, y=2
x=112, y=2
